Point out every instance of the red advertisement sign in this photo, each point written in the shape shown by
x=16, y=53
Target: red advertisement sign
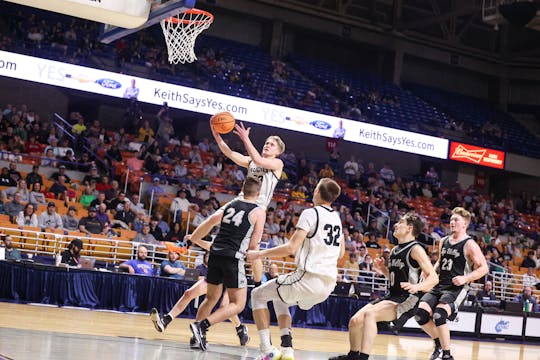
x=476, y=155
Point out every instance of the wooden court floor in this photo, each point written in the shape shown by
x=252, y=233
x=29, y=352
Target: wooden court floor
x=44, y=332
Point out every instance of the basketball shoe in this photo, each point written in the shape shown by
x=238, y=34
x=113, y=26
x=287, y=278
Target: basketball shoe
x=243, y=336
x=437, y=354
x=287, y=353
x=198, y=334
x=159, y=322
x=273, y=354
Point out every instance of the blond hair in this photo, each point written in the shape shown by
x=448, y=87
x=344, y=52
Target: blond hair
x=464, y=213
x=279, y=142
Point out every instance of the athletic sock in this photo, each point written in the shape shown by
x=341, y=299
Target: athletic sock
x=437, y=342
x=167, y=319
x=264, y=336
x=205, y=324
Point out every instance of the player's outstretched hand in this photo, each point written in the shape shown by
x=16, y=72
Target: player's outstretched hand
x=411, y=288
x=459, y=280
x=253, y=255
x=378, y=263
x=241, y=131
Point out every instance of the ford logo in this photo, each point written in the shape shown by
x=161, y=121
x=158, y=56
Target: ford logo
x=109, y=83
x=321, y=125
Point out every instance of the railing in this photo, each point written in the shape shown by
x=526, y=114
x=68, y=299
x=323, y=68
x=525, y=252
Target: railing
x=111, y=251
x=370, y=216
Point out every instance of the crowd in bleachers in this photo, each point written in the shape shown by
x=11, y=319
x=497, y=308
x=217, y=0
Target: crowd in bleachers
x=249, y=72
x=184, y=175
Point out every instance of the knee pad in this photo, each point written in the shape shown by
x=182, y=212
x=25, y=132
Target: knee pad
x=439, y=316
x=421, y=317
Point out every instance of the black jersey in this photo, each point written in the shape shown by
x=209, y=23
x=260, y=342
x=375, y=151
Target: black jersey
x=452, y=262
x=235, y=230
x=402, y=268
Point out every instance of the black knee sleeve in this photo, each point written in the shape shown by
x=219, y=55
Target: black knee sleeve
x=421, y=317
x=439, y=316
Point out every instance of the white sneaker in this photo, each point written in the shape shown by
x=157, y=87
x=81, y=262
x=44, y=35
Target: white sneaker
x=287, y=353
x=273, y=354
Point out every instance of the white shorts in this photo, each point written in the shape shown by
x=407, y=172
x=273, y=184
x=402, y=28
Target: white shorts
x=304, y=289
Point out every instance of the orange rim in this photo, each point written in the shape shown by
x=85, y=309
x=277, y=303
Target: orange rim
x=208, y=20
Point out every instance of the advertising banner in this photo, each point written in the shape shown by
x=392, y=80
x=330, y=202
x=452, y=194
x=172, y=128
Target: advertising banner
x=476, y=155
x=532, y=327
x=180, y=97
x=501, y=324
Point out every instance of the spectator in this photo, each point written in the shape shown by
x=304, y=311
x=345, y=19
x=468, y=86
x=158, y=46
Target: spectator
x=271, y=227
x=530, y=279
x=61, y=172
x=92, y=176
x=101, y=199
x=71, y=256
x=13, y=172
x=70, y=220
x=180, y=204
x=486, y=293
x=387, y=174
x=36, y=197
x=203, y=267
x=172, y=267
x=5, y=179
x=136, y=204
x=145, y=237
x=20, y=188
x=140, y=265
x=87, y=197
x=117, y=204
x=12, y=253
x=101, y=215
x=176, y=235
x=14, y=207
x=28, y=216
x=34, y=176
x=155, y=229
x=49, y=219
x=90, y=224
x=530, y=260
x=162, y=224
x=124, y=218
x=272, y=273
x=350, y=168
x=526, y=295
x=59, y=188
x=372, y=242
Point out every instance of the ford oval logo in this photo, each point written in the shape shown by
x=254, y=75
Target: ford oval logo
x=321, y=125
x=109, y=83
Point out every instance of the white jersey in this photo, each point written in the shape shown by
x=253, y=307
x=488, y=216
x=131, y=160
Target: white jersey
x=268, y=181
x=321, y=248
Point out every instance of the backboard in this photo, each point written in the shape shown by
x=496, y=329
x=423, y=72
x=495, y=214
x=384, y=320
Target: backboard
x=159, y=10
x=122, y=13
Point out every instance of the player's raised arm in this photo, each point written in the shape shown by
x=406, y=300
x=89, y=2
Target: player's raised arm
x=271, y=163
x=236, y=157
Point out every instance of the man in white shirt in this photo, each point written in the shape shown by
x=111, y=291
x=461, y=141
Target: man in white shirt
x=387, y=174
x=530, y=279
x=350, y=168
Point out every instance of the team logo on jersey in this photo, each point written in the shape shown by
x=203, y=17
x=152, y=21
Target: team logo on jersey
x=321, y=125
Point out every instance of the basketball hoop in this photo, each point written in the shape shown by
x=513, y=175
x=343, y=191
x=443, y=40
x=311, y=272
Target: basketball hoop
x=181, y=31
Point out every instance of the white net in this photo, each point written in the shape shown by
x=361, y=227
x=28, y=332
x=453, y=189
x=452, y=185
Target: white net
x=181, y=31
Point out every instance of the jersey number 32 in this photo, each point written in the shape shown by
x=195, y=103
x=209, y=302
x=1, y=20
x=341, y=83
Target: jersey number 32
x=333, y=234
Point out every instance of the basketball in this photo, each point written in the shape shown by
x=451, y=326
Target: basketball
x=222, y=122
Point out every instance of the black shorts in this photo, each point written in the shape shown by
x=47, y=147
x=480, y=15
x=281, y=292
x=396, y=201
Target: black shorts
x=226, y=270
x=406, y=305
x=453, y=296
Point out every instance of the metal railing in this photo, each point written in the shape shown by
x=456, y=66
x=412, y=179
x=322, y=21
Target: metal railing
x=382, y=219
